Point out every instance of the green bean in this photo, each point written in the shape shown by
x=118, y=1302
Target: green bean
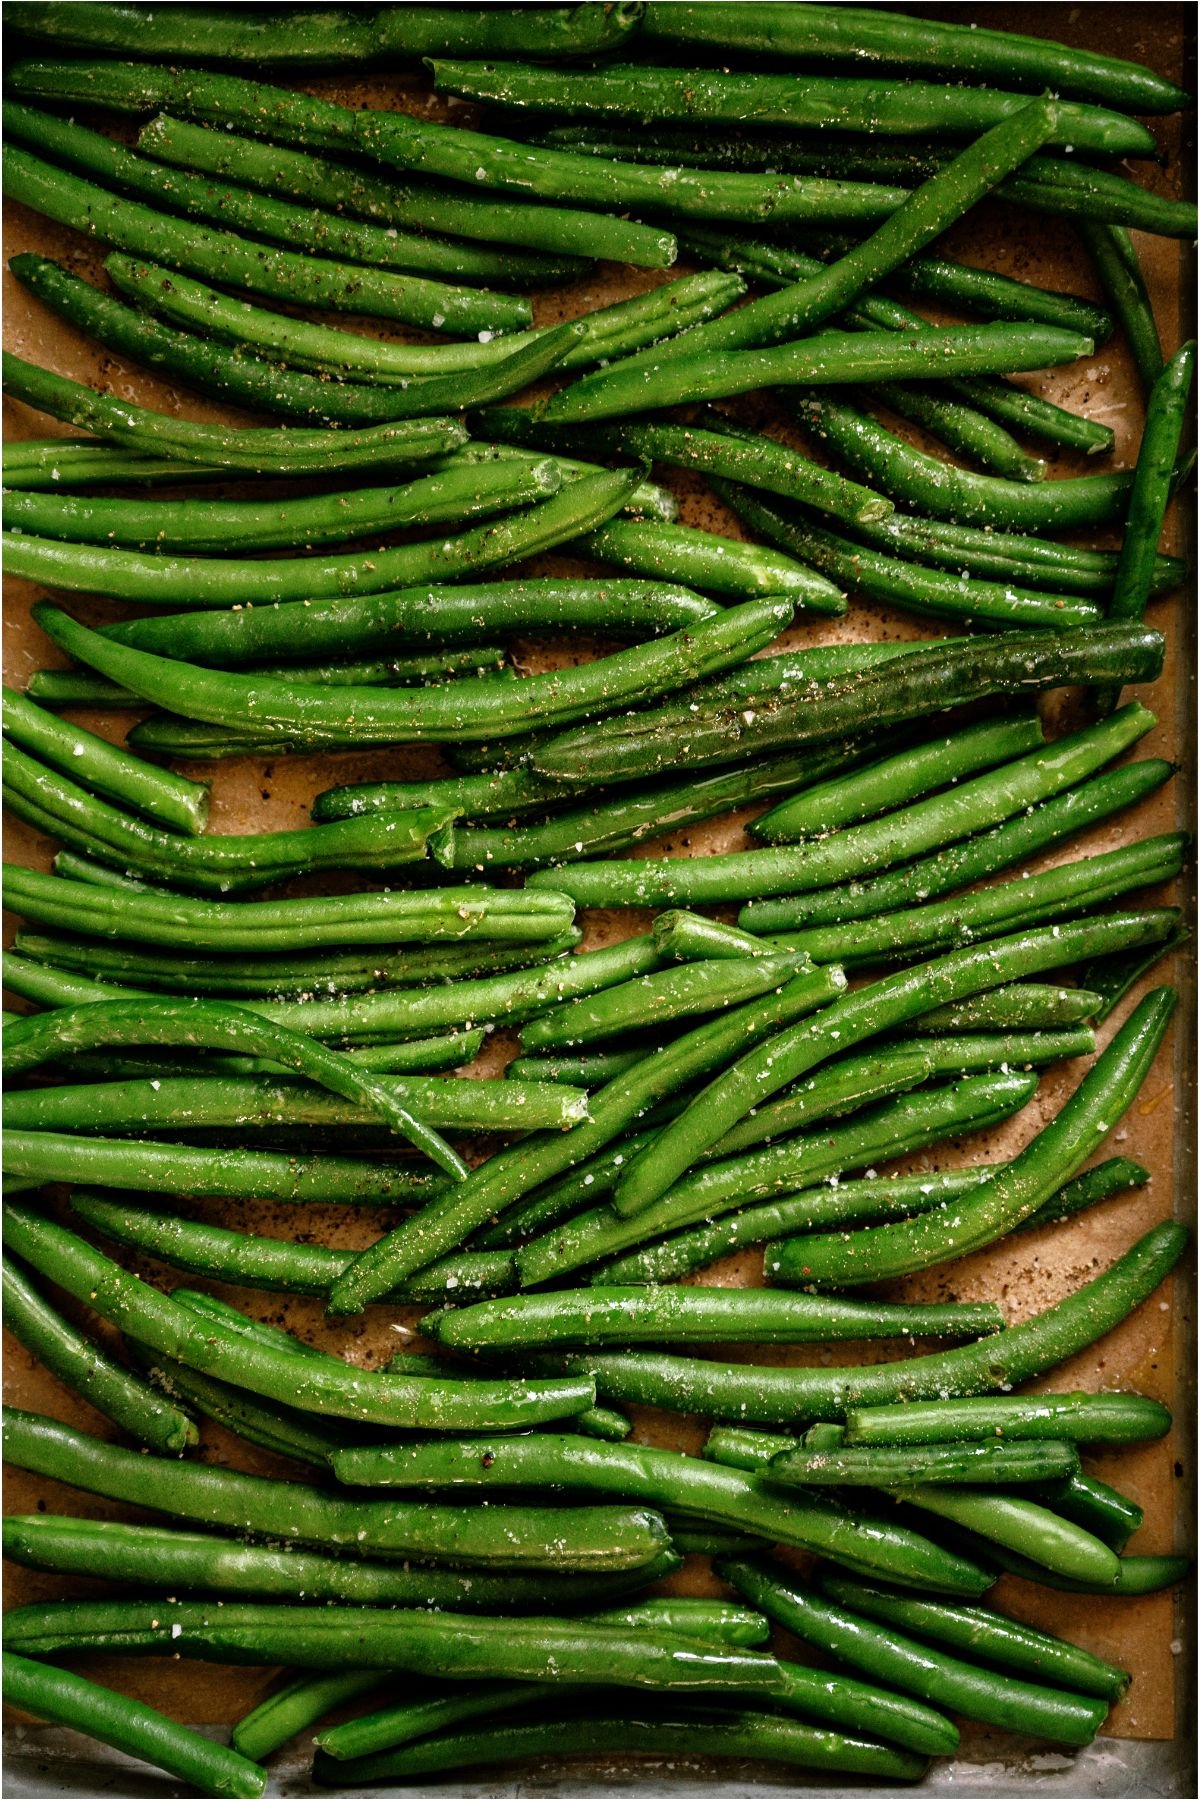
x=610, y=331
x=583, y=1185
x=345, y=1392
x=908, y=775
x=896, y=42
x=50, y=463
x=275, y=1264
x=722, y=1496
x=778, y=1396
x=157, y=794
x=821, y=103
x=83, y=1366
x=1105, y=1512
x=76, y=687
x=696, y=1315
x=940, y=819
x=303, y=227
x=846, y=1203
x=831, y=357
x=96, y=875
x=425, y=1643
x=947, y=492
x=281, y=1430
x=1116, y=1175
x=302, y=1702
x=1135, y=1574
x=648, y=500
x=312, y=923
x=280, y=977
x=272, y=449
x=424, y=1716
x=129, y=1726
x=216, y=1025
x=759, y=462
x=243, y=262
x=387, y=34
x=717, y=1733
x=1082, y=1418
x=604, y=1422
x=1120, y=271
x=1029, y=900
x=1010, y=405
x=1166, y=415
x=904, y=688
x=1113, y=977
x=986, y=853
x=981, y=1632
x=993, y=605
x=1052, y=1157
x=886, y=1654
x=451, y=615
x=630, y=818
x=282, y=114
x=961, y=427
x=680, y=992
x=889, y=1130
x=1009, y=1520
x=1056, y=185
x=987, y=1465
x=490, y=705
x=505, y=1178
x=134, y=576
x=689, y=937
x=717, y=564
x=205, y=1102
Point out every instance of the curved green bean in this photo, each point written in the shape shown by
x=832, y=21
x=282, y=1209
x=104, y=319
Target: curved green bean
x=1120, y=271
x=1010, y=1520
x=719, y=565
x=76, y=687
x=129, y=1726
x=1135, y=1574
x=302, y=1702
x=157, y=794
x=83, y=1366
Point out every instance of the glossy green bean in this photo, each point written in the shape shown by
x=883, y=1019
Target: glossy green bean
x=242, y=262
x=77, y=687
x=1012, y=1521
x=985, y=853
x=268, y=926
x=505, y=1178
x=1051, y=1158
x=1135, y=1575
x=986, y=1465
x=338, y=1389
x=1081, y=1417
x=883, y=1005
x=895, y=42
x=908, y=775
x=266, y=450
x=940, y=819
x=679, y=992
x=981, y=1632
x=1117, y=264
x=777, y=1396
x=83, y=1366
x=291, y=1709
x=718, y=565
x=130, y=1726
x=276, y=1264
x=489, y=706
x=994, y=605
x=690, y=937
x=903, y=688
x=164, y=798
x=716, y=1732
x=720, y=1496
x=592, y=1070
x=885, y=1654
x=696, y=1315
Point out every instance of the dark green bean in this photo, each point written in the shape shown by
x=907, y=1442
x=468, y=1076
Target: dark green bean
x=340, y=1389
x=83, y=1366
x=987, y=1465
x=158, y=795
x=280, y=1429
x=778, y=1396
x=823, y=103
x=242, y=262
x=129, y=1726
x=896, y=42
x=940, y=819
x=1052, y=1157
x=697, y=1315
x=267, y=926
x=889, y=1130
x=488, y=706
x=885, y=1654
x=1117, y=264
x=719, y=1496
x=680, y=992
x=302, y=1702
x=1135, y=1574
x=1083, y=1418
x=718, y=565
x=983, y=1633
x=1113, y=977
x=277, y=1264
x=904, y=688
x=986, y=853
x=266, y=450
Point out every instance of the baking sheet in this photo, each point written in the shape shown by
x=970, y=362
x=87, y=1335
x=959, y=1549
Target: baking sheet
x=1145, y=1748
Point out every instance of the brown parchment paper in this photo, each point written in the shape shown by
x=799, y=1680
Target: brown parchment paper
x=1025, y=1274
